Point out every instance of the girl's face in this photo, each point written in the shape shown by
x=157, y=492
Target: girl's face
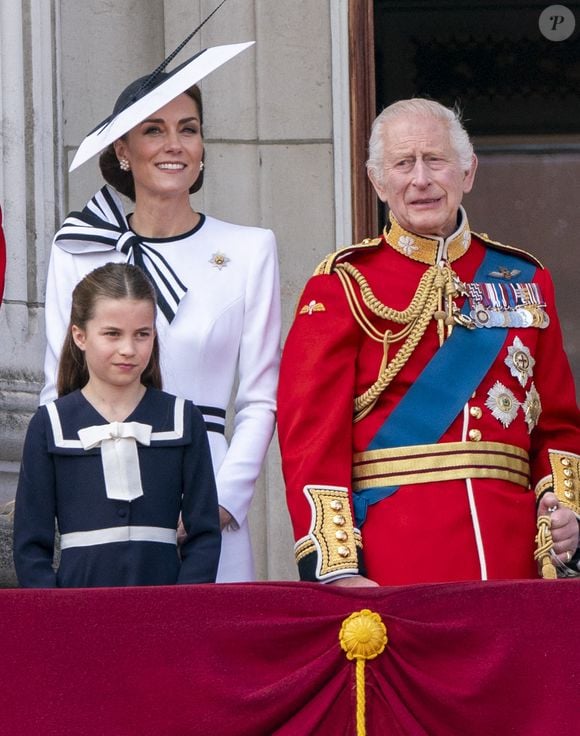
x=117, y=341
x=165, y=150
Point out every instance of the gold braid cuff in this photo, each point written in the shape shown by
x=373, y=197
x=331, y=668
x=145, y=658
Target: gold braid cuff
x=332, y=535
x=565, y=483
x=545, y=484
x=566, y=478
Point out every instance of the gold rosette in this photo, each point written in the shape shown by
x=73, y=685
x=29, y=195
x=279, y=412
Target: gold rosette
x=362, y=636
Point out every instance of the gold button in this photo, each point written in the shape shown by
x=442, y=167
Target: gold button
x=341, y=535
x=565, y=461
x=568, y=472
x=339, y=520
x=343, y=551
x=474, y=435
x=569, y=495
x=476, y=412
x=336, y=505
x=569, y=483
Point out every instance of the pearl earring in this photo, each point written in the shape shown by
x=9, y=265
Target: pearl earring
x=201, y=165
x=124, y=164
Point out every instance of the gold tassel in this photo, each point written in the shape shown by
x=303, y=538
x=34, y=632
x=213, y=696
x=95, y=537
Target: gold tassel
x=362, y=636
x=544, y=546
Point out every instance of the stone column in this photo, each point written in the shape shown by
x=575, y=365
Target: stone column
x=28, y=194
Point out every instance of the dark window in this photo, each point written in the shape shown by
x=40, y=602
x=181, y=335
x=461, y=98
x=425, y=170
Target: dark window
x=491, y=58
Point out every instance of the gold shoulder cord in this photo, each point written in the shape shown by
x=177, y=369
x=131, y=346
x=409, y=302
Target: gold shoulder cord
x=426, y=304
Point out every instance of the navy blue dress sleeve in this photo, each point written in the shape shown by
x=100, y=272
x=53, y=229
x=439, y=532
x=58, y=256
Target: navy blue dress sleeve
x=35, y=509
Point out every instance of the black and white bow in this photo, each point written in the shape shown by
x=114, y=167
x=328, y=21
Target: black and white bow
x=102, y=226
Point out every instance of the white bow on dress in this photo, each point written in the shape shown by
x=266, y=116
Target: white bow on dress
x=118, y=443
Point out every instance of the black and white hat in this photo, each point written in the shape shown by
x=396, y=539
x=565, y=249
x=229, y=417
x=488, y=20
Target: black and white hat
x=143, y=97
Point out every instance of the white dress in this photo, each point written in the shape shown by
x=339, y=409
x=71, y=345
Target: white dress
x=225, y=338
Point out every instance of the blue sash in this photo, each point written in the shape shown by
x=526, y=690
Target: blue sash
x=433, y=402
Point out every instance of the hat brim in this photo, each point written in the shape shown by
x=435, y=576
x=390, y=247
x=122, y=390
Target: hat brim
x=177, y=82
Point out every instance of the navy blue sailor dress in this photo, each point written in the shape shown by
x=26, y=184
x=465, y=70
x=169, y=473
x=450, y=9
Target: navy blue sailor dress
x=107, y=541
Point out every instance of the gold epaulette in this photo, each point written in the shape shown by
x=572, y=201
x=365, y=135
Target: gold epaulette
x=509, y=249
x=327, y=265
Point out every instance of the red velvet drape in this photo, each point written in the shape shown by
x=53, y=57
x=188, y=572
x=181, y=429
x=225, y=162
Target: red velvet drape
x=466, y=659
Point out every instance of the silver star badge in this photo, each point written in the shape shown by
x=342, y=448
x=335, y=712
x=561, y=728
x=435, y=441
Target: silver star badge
x=219, y=260
x=520, y=361
x=532, y=407
x=502, y=403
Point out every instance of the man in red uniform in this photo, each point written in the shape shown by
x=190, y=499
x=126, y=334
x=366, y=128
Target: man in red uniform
x=424, y=390
x=2, y=258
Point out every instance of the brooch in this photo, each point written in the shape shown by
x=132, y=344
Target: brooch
x=219, y=260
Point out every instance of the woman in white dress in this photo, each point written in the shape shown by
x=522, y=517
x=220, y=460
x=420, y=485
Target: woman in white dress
x=217, y=284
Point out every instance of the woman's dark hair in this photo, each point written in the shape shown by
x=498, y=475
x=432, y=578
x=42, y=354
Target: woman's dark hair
x=122, y=181
x=112, y=281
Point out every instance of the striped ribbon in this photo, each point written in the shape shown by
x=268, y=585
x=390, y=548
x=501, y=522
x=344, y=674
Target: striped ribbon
x=102, y=226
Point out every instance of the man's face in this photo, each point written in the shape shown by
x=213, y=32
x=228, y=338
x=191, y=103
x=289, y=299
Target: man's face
x=422, y=180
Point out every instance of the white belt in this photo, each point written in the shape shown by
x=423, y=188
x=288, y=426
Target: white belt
x=119, y=534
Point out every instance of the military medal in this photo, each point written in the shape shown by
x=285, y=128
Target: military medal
x=520, y=361
x=506, y=305
x=502, y=403
x=532, y=407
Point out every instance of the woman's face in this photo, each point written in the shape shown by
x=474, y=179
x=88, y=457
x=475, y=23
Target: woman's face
x=165, y=150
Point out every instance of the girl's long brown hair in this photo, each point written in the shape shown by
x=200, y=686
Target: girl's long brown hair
x=112, y=281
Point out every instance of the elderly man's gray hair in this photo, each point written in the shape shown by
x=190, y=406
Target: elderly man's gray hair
x=417, y=106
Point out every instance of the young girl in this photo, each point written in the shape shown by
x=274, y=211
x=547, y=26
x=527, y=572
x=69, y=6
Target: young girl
x=115, y=460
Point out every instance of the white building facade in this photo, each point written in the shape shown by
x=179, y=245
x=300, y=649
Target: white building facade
x=276, y=127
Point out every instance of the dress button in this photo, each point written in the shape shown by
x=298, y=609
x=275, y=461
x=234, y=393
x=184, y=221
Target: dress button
x=339, y=520
x=336, y=505
x=474, y=435
x=343, y=551
x=341, y=535
x=476, y=412
x=122, y=512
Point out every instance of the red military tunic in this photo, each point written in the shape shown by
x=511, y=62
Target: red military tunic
x=465, y=506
